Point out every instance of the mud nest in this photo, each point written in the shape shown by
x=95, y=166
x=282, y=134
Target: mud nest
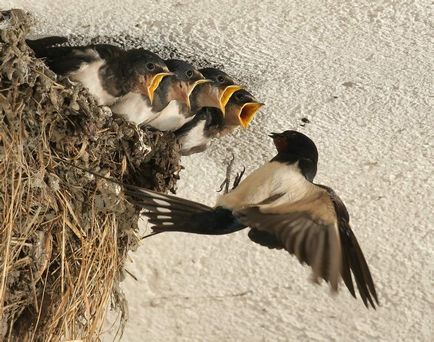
x=64, y=235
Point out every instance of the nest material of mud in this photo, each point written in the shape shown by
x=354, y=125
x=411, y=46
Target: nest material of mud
x=64, y=235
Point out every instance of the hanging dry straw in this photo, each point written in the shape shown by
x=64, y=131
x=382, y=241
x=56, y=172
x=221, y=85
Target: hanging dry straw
x=64, y=235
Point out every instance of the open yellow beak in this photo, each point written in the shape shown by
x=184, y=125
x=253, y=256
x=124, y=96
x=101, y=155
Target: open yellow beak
x=195, y=84
x=155, y=82
x=226, y=95
x=247, y=113
x=190, y=90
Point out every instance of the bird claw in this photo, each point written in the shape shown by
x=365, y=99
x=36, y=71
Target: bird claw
x=222, y=185
x=238, y=177
x=227, y=181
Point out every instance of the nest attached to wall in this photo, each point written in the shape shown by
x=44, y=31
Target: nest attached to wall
x=64, y=235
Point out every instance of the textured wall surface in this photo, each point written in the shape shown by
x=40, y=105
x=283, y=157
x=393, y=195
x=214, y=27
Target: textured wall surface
x=362, y=73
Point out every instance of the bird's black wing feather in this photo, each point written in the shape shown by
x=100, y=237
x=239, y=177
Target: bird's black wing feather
x=171, y=213
x=108, y=51
x=311, y=241
x=308, y=229
x=46, y=42
x=264, y=239
x=66, y=59
x=61, y=59
x=352, y=255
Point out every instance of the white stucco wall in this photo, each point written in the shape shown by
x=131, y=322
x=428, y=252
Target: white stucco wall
x=362, y=73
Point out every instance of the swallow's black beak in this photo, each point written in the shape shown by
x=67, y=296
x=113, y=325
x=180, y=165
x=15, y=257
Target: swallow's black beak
x=280, y=141
x=275, y=135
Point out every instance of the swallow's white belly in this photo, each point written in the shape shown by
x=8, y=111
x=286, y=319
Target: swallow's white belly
x=170, y=118
x=270, y=179
x=88, y=75
x=195, y=137
x=135, y=107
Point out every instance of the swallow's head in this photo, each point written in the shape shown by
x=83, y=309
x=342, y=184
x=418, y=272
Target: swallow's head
x=217, y=77
x=217, y=92
x=149, y=70
x=240, y=108
x=184, y=80
x=297, y=147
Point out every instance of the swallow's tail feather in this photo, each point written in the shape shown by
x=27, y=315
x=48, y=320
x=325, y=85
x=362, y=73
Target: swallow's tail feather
x=170, y=213
x=353, y=259
x=61, y=59
x=43, y=43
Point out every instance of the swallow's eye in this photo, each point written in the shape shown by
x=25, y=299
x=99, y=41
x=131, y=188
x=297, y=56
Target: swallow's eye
x=150, y=66
x=220, y=79
x=189, y=73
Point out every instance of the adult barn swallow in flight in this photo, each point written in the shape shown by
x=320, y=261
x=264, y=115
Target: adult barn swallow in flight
x=284, y=209
x=209, y=122
x=107, y=71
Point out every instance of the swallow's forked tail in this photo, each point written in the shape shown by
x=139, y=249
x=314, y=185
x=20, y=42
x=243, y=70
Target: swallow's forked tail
x=353, y=260
x=171, y=213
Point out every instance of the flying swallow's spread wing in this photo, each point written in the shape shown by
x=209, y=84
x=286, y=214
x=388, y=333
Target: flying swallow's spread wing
x=316, y=230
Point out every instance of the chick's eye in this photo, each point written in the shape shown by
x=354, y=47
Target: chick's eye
x=150, y=66
x=189, y=73
x=220, y=79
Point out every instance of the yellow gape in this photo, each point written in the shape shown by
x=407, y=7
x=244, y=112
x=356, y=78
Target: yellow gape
x=247, y=113
x=194, y=85
x=155, y=82
x=226, y=95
